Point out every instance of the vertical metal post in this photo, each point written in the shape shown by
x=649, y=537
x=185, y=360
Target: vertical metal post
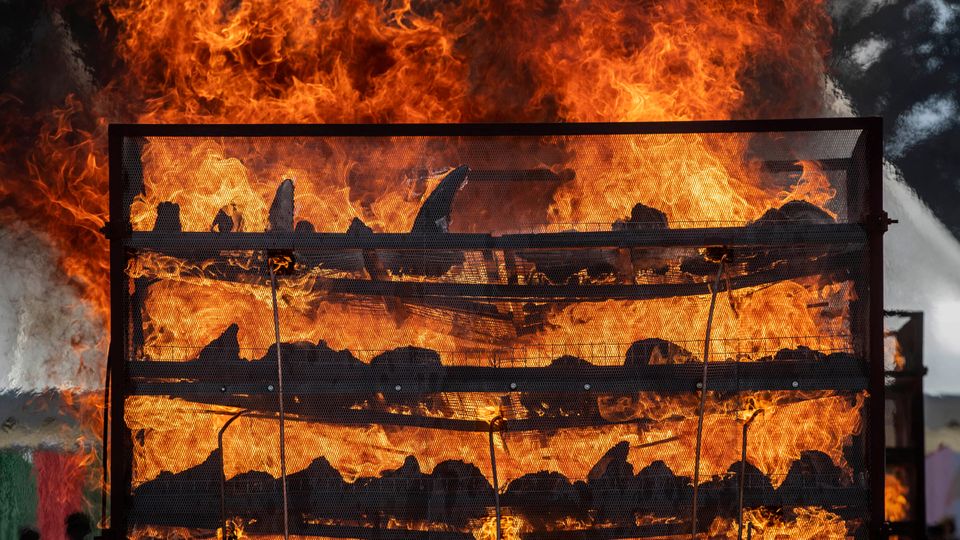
x=908, y=385
x=703, y=396
x=223, y=471
x=120, y=149
x=283, y=441
x=876, y=226
x=105, y=444
x=496, y=484
x=742, y=483
x=917, y=434
x=743, y=473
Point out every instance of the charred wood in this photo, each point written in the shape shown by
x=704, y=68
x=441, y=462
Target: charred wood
x=281, y=209
x=168, y=218
x=752, y=259
x=562, y=404
x=642, y=217
x=410, y=367
x=455, y=494
x=656, y=351
x=434, y=215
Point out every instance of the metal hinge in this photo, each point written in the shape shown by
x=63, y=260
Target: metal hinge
x=878, y=222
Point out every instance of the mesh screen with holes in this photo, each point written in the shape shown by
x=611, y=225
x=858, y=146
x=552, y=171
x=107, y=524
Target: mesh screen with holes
x=467, y=335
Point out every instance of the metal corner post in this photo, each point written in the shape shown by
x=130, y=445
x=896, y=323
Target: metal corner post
x=876, y=225
x=920, y=514
x=905, y=387
x=117, y=230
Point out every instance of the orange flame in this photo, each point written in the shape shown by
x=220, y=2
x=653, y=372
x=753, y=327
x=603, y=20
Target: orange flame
x=807, y=524
x=895, y=492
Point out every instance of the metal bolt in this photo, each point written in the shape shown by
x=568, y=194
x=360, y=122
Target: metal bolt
x=796, y=384
x=699, y=385
x=586, y=386
x=513, y=386
x=270, y=388
x=398, y=388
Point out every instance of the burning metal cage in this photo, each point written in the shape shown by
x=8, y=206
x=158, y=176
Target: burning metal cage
x=510, y=330
x=906, y=453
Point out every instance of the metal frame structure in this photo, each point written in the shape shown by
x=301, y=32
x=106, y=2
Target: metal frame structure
x=866, y=373
x=907, y=383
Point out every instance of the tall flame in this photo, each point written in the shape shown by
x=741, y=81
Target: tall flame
x=399, y=61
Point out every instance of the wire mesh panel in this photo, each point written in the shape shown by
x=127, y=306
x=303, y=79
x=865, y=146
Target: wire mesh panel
x=497, y=331
x=905, y=483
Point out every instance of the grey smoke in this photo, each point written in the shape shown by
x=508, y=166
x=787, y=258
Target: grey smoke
x=856, y=10
x=867, y=52
x=922, y=266
x=49, y=336
x=923, y=120
x=944, y=14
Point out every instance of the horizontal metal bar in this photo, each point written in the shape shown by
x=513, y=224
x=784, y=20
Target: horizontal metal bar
x=601, y=533
x=844, y=501
x=905, y=529
x=901, y=313
x=339, y=531
x=652, y=530
x=491, y=129
x=902, y=455
x=792, y=165
x=573, y=292
x=343, y=416
x=906, y=374
x=784, y=234
x=469, y=296
x=519, y=175
x=843, y=373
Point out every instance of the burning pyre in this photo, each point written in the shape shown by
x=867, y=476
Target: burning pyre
x=446, y=62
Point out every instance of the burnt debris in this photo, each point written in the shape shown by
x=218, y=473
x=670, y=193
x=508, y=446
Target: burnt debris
x=455, y=494
x=409, y=381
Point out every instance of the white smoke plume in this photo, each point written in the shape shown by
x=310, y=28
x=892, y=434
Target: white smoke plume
x=921, y=268
x=49, y=337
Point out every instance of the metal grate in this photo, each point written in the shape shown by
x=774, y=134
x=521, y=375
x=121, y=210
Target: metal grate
x=452, y=299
